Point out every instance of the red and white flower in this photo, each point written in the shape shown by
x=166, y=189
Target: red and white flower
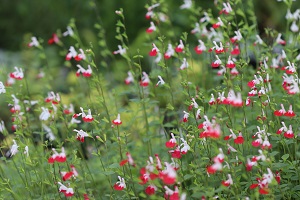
x=128, y=160
x=117, y=121
x=17, y=74
x=85, y=117
x=200, y=48
x=170, y=52
x=184, y=64
x=68, y=192
x=67, y=175
x=154, y=50
x=228, y=182
x=120, y=185
x=81, y=135
x=54, y=39
x=216, y=63
x=129, y=79
x=168, y=175
x=218, y=24
x=172, y=142
x=180, y=47
x=57, y=157
x=238, y=37
x=145, y=80
x=120, y=50
x=151, y=28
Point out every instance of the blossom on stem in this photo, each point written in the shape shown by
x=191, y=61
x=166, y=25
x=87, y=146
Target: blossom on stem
x=290, y=69
x=216, y=63
x=80, y=56
x=250, y=164
x=129, y=79
x=150, y=189
x=200, y=48
x=184, y=146
x=280, y=112
x=14, y=149
x=187, y=4
x=84, y=72
x=71, y=54
x=120, y=50
x=238, y=37
x=185, y=116
x=54, y=39
x=57, y=157
x=2, y=88
x=290, y=113
x=117, y=121
x=170, y=194
x=128, y=160
x=49, y=132
x=151, y=28
x=218, y=49
x=120, y=185
x=212, y=100
x=67, y=175
x=228, y=182
x=150, y=13
x=68, y=192
x=184, y=64
x=160, y=81
x=218, y=24
x=2, y=126
x=289, y=133
x=230, y=63
x=266, y=144
x=145, y=80
x=170, y=52
x=221, y=71
x=205, y=18
x=69, y=32
x=279, y=40
x=80, y=135
x=227, y=9
x=154, y=50
x=179, y=47
x=172, y=142
x=44, y=116
x=258, y=41
x=196, y=29
x=234, y=72
x=17, y=74
x=236, y=51
x=69, y=110
x=85, y=117
x=53, y=98
x=34, y=42
x=168, y=175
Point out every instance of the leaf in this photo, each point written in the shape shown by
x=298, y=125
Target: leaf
x=187, y=176
x=170, y=107
x=285, y=157
x=114, y=165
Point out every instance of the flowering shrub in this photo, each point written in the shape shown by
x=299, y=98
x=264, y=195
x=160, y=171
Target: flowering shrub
x=200, y=122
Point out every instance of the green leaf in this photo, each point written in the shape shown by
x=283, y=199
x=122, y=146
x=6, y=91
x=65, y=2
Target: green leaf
x=285, y=157
x=170, y=107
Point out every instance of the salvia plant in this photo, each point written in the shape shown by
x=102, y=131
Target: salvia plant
x=210, y=113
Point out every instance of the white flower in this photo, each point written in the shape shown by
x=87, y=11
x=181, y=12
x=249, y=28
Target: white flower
x=14, y=149
x=45, y=114
x=2, y=88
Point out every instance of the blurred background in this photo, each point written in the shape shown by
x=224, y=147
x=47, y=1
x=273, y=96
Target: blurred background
x=42, y=18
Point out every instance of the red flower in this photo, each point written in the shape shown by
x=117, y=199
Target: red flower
x=235, y=51
x=150, y=190
x=228, y=182
x=290, y=112
x=117, y=121
x=172, y=142
x=68, y=192
x=56, y=157
x=81, y=135
x=145, y=80
x=120, y=185
x=53, y=39
x=239, y=139
x=154, y=50
x=216, y=63
x=151, y=28
x=280, y=112
x=180, y=47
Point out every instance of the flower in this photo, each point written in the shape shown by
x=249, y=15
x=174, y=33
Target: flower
x=145, y=80
x=185, y=116
x=80, y=135
x=80, y=56
x=17, y=74
x=170, y=52
x=53, y=98
x=235, y=51
x=49, y=134
x=238, y=36
x=168, y=175
x=71, y=54
x=34, y=42
x=154, y=50
x=68, y=192
x=187, y=4
x=160, y=82
x=56, y=157
x=218, y=49
x=172, y=142
x=84, y=72
x=290, y=112
x=289, y=133
x=117, y=121
x=196, y=29
x=294, y=27
x=200, y=48
x=230, y=63
x=69, y=110
x=279, y=40
x=216, y=63
x=45, y=114
x=129, y=78
x=26, y=151
x=128, y=160
x=2, y=88
x=68, y=32
x=14, y=149
x=67, y=175
x=180, y=47
x=280, y=112
x=228, y=182
x=120, y=50
x=170, y=194
x=85, y=117
x=184, y=64
x=2, y=126
x=120, y=185
x=53, y=39
x=227, y=9
x=151, y=28
x=218, y=24
x=150, y=189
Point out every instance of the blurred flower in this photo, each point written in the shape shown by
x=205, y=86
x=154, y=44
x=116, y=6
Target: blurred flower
x=2, y=88
x=17, y=74
x=68, y=192
x=80, y=135
x=120, y=185
x=68, y=32
x=34, y=42
x=117, y=121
